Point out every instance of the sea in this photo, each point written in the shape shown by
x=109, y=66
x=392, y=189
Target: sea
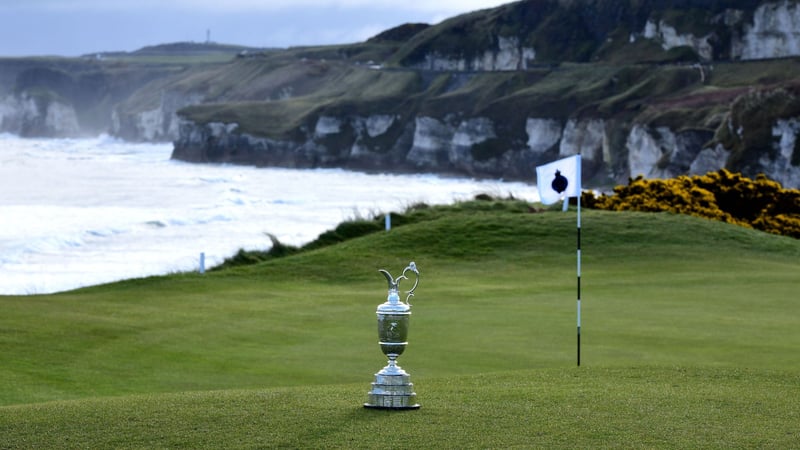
x=82, y=212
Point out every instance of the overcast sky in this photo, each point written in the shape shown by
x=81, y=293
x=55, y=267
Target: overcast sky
x=77, y=27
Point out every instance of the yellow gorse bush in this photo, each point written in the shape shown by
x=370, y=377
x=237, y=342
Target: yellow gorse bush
x=762, y=203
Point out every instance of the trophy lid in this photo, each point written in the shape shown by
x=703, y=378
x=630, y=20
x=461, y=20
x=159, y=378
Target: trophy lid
x=394, y=305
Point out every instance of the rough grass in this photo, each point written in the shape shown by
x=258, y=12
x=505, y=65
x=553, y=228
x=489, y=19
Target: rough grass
x=688, y=341
x=251, y=93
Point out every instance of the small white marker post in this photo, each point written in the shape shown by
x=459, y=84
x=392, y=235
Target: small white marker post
x=388, y=219
x=202, y=262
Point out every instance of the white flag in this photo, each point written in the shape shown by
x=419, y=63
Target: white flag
x=559, y=179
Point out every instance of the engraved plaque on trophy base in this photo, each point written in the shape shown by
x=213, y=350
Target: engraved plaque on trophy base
x=392, y=389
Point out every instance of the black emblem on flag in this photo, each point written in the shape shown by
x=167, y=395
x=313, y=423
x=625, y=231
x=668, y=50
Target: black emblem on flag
x=559, y=183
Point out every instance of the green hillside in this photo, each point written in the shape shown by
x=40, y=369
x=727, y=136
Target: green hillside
x=688, y=341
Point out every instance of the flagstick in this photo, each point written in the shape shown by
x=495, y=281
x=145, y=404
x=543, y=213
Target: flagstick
x=579, y=279
x=562, y=187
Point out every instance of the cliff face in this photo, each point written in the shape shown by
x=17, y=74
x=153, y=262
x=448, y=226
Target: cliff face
x=508, y=55
x=129, y=95
x=773, y=32
x=25, y=116
x=430, y=145
x=28, y=110
x=160, y=123
x=61, y=97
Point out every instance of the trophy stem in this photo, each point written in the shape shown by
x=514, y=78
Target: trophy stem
x=392, y=368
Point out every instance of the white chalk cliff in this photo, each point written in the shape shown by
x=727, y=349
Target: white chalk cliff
x=774, y=32
x=508, y=55
x=21, y=114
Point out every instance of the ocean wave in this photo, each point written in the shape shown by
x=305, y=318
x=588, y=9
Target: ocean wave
x=215, y=180
x=189, y=221
x=104, y=233
x=238, y=201
x=15, y=252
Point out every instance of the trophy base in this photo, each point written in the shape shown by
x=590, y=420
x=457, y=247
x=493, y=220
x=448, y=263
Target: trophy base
x=396, y=408
x=392, y=391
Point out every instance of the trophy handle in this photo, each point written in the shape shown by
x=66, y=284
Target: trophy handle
x=412, y=267
x=394, y=282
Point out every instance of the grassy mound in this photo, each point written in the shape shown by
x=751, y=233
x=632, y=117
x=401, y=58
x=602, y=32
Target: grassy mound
x=688, y=340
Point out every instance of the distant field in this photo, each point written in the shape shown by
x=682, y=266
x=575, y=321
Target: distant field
x=689, y=340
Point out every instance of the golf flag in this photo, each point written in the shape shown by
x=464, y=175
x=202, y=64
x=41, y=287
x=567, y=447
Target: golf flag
x=559, y=179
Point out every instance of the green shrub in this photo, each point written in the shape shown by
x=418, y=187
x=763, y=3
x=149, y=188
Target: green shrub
x=344, y=231
x=729, y=197
x=246, y=257
x=357, y=228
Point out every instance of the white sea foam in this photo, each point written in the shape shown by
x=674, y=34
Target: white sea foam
x=80, y=212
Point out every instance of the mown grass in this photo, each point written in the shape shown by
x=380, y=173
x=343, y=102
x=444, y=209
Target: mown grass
x=565, y=408
x=688, y=340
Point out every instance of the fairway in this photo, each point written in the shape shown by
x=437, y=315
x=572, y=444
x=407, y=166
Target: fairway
x=689, y=339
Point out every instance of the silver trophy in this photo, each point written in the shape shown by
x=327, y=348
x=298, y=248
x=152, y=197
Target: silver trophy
x=392, y=388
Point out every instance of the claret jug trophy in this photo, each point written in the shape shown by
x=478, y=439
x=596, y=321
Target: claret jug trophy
x=392, y=388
